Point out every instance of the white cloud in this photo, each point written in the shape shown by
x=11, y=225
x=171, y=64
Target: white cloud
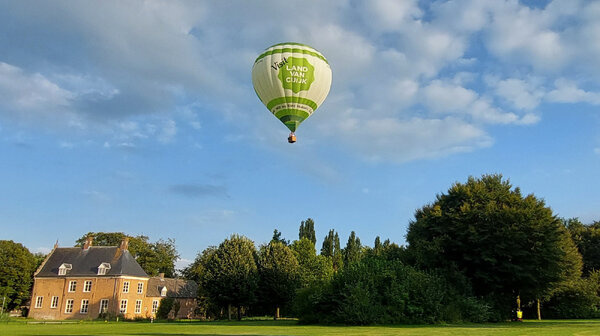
x=406, y=140
x=566, y=91
x=156, y=67
x=523, y=95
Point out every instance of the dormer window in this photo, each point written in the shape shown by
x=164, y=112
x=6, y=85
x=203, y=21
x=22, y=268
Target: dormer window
x=64, y=268
x=103, y=268
x=163, y=291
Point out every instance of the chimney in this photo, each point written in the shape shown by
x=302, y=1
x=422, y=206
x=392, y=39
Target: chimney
x=161, y=275
x=124, y=243
x=88, y=242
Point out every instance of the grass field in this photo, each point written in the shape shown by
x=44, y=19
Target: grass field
x=546, y=328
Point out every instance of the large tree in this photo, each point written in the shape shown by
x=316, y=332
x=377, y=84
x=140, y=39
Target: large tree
x=505, y=244
x=331, y=248
x=307, y=230
x=587, y=239
x=279, y=274
x=313, y=268
x=154, y=258
x=353, y=249
x=231, y=273
x=17, y=266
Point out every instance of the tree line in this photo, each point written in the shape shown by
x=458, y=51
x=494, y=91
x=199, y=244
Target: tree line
x=476, y=253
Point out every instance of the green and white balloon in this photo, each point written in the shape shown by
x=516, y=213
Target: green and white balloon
x=292, y=80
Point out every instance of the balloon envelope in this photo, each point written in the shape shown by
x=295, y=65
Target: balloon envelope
x=292, y=80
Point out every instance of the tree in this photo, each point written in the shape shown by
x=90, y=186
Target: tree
x=154, y=258
x=331, y=248
x=307, y=230
x=503, y=243
x=587, y=240
x=313, y=268
x=196, y=271
x=277, y=238
x=353, y=249
x=279, y=274
x=17, y=266
x=231, y=273
x=165, y=307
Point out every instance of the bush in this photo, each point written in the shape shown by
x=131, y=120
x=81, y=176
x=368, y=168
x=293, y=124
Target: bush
x=575, y=299
x=375, y=291
x=164, y=308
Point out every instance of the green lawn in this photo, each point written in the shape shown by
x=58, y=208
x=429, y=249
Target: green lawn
x=546, y=328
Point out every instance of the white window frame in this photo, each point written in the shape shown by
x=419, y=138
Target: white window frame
x=39, y=301
x=85, y=303
x=154, y=306
x=163, y=291
x=72, y=286
x=87, y=286
x=123, y=307
x=103, y=306
x=69, y=306
x=62, y=271
x=125, y=286
x=140, y=288
x=138, y=306
x=54, y=302
x=103, y=268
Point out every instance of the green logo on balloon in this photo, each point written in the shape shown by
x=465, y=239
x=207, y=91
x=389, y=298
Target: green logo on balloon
x=297, y=74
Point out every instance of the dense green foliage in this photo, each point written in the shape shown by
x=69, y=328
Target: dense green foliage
x=307, y=230
x=331, y=248
x=313, y=268
x=486, y=234
x=352, y=251
x=578, y=298
x=154, y=258
x=165, y=307
x=17, y=266
x=231, y=273
x=587, y=240
x=381, y=291
x=279, y=274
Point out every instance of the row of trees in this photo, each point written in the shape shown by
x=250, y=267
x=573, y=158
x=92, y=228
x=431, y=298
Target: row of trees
x=472, y=254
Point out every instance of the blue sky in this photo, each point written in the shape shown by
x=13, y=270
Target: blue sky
x=140, y=116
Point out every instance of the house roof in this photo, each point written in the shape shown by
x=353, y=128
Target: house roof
x=176, y=288
x=85, y=262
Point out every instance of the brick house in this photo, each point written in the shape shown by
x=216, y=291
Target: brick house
x=82, y=282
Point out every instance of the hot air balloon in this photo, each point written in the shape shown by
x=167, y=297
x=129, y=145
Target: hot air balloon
x=292, y=80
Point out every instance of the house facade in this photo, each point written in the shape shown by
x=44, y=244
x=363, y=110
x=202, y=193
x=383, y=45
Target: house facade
x=84, y=282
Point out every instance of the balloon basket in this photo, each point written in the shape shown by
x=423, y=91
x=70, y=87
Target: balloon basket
x=292, y=138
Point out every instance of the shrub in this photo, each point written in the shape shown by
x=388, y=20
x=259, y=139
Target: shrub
x=575, y=299
x=164, y=308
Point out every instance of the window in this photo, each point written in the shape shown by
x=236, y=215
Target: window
x=123, y=306
x=125, y=286
x=69, y=306
x=138, y=306
x=87, y=286
x=72, y=286
x=62, y=270
x=103, y=268
x=140, y=287
x=163, y=291
x=38, y=301
x=154, y=306
x=103, y=306
x=85, y=303
x=54, y=302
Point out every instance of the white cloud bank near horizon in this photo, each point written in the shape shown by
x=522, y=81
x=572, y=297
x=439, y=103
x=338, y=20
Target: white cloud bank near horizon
x=434, y=77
